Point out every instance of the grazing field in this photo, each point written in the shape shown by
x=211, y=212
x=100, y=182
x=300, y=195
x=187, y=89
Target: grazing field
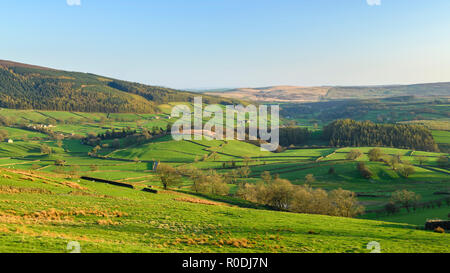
x=44, y=203
x=42, y=213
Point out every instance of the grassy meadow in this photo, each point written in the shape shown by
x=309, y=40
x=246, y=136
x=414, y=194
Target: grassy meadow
x=44, y=204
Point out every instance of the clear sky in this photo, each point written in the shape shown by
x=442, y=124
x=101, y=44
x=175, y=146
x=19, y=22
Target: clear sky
x=234, y=43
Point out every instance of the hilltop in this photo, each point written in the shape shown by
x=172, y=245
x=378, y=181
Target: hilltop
x=313, y=94
x=24, y=86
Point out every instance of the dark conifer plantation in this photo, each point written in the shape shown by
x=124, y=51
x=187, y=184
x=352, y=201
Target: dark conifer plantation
x=344, y=133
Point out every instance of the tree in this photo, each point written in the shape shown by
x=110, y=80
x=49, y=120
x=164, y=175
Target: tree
x=247, y=192
x=393, y=161
x=280, y=193
x=168, y=175
x=422, y=160
x=217, y=185
x=45, y=149
x=266, y=177
x=59, y=143
x=344, y=203
x=405, y=198
x=244, y=172
x=375, y=154
x=406, y=171
x=354, y=154
x=60, y=162
x=309, y=179
x=209, y=182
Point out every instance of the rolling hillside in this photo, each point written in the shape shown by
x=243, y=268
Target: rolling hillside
x=43, y=213
x=312, y=94
x=25, y=86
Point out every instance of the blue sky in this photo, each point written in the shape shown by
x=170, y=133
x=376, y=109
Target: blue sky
x=234, y=43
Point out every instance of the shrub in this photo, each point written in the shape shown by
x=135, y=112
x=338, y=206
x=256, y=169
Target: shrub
x=45, y=149
x=344, y=203
x=60, y=162
x=375, y=154
x=406, y=171
x=354, y=154
x=309, y=179
x=281, y=194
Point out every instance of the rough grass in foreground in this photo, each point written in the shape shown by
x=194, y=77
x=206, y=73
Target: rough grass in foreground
x=42, y=213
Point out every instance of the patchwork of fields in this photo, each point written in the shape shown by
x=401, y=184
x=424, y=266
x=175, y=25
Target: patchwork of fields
x=42, y=213
x=44, y=204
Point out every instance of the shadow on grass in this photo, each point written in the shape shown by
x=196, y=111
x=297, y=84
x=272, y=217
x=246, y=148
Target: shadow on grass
x=229, y=200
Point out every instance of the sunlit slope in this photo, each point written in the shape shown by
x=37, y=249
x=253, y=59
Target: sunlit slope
x=39, y=213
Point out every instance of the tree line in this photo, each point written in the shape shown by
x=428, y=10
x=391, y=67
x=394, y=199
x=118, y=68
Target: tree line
x=275, y=192
x=345, y=133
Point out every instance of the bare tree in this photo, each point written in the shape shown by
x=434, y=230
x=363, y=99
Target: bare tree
x=168, y=175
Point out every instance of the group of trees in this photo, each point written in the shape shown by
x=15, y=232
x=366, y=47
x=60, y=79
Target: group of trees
x=281, y=194
x=402, y=199
x=376, y=155
x=209, y=182
x=26, y=87
x=164, y=95
x=354, y=154
x=272, y=191
x=345, y=133
x=128, y=135
x=116, y=134
x=294, y=136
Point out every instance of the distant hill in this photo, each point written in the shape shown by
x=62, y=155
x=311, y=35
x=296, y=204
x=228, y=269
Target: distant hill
x=24, y=86
x=312, y=94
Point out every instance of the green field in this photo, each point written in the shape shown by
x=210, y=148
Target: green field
x=44, y=205
x=45, y=214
